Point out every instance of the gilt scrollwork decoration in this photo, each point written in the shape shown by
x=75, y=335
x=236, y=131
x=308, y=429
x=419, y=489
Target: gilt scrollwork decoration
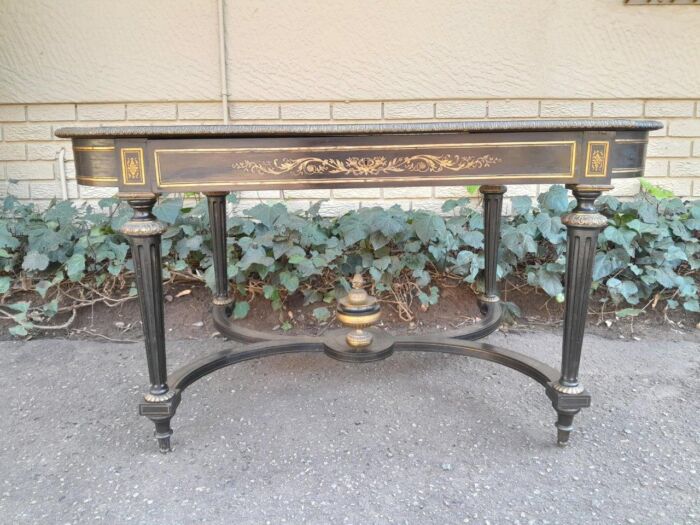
x=363, y=166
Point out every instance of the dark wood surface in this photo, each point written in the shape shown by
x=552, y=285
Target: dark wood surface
x=228, y=158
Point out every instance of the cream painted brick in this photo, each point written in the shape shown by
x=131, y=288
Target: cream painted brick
x=420, y=192
x=407, y=110
x=307, y=194
x=381, y=203
x=47, y=150
x=261, y=195
x=12, y=151
x=521, y=190
x=91, y=192
x=663, y=132
x=460, y=109
x=306, y=111
x=669, y=108
x=507, y=209
x=685, y=128
x=659, y=147
x=21, y=132
x=357, y=110
x=44, y=190
x=297, y=205
x=433, y=205
x=696, y=188
x=254, y=111
x=565, y=108
x=101, y=112
x=656, y=168
x=684, y=168
x=623, y=188
x=451, y=192
x=696, y=148
x=30, y=170
x=12, y=113
x=513, y=108
x=73, y=192
x=70, y=170
x=19, y=189
x=51, y=112
x=679, y=187
x=357, y=193
x=618, y=108
x=199, y=111
x=151, y=111
x=335, y=208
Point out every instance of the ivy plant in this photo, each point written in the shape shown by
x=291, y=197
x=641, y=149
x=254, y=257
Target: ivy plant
x=649, y=252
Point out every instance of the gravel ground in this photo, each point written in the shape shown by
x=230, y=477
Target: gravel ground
x=295, y=439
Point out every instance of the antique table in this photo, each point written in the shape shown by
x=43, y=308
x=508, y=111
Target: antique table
x=144, y=162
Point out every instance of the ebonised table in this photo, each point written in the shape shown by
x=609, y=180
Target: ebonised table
x=144, y=162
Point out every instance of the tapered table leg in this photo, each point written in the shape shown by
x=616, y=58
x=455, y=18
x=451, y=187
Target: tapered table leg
x=493, y=203
x=144, y=233
x=583, y=225
x=217, y=223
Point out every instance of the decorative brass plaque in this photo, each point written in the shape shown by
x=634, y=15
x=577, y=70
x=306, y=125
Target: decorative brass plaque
x=597, y=159
x=132, y=166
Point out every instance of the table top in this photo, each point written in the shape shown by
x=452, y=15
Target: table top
x=278, y=130
x=311, y=156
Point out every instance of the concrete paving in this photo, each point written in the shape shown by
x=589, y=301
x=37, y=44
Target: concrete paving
x=417, y=438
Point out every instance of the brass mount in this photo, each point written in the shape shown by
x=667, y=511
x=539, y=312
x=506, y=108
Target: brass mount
x=358, y=310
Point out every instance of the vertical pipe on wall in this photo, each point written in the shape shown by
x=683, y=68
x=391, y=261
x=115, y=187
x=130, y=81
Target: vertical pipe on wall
x=222, y=61
x=62, y=173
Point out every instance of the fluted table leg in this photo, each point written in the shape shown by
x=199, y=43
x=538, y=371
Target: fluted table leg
x=583, y=225
x=493, y=203
x=144, y=233
x=217, y=223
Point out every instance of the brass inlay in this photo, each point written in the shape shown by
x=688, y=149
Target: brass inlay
x=93, y=148
x=367, y=165
x=98, y=179
x=627, y=170
x=632, y=141
x=445, y=178
x=132, y=166
x=597, y=159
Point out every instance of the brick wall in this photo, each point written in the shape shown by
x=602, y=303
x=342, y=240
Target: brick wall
x=29, y=151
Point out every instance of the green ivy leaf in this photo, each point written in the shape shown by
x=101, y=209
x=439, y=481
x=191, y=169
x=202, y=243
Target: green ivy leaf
x=75, y=266
x=42, y=287
x=322, y=314
x=5, y=283
x=289, y=281
x=168, y=210
x=21, y=306
x=656, y=191
x=35, y=261
x=555, y=200
x=255, y=255
x=628, y=312
x=428, y=226
x=18, y=330
x=521, y=204
x=240, y=311
x=692, y=305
